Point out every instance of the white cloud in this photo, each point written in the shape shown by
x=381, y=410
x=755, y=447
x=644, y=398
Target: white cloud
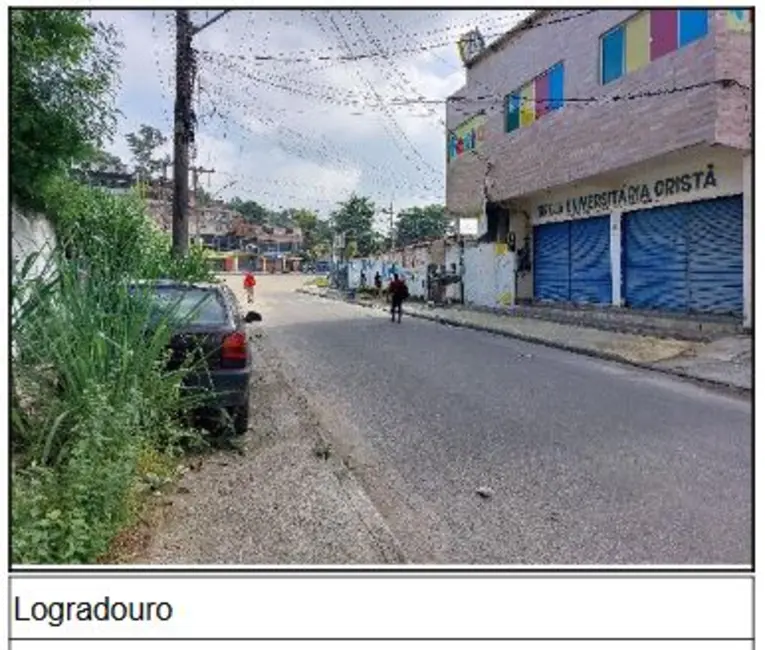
x=296, y=132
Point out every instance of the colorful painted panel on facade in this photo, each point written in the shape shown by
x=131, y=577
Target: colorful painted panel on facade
x=540, y=96
x=647, y=36
x=468, y=136
x=739, y=20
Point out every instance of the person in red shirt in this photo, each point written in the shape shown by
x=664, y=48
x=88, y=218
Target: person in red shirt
x=398, y=292
x=249, y=285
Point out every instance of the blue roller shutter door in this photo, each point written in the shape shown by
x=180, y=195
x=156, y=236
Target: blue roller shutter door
x=715, y=255
x=591, y=260
x=552, y=273
x=654, y=254
x=685, y=257
x=572, y=261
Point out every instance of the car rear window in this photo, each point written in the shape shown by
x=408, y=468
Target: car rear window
x=192, y=306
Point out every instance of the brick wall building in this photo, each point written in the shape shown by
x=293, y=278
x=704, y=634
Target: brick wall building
x=612, y=150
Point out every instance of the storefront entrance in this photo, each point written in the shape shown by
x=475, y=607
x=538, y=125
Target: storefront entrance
x=685, y=257
x=572, y=261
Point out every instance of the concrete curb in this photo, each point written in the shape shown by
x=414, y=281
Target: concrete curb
x=607, y=356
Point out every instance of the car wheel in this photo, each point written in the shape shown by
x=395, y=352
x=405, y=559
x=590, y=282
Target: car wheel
x=240, y=417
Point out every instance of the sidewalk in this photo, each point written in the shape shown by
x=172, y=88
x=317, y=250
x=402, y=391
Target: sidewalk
x=725, y=362
x=287, y=497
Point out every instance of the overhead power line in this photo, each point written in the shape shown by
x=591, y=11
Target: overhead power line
x=310, y=55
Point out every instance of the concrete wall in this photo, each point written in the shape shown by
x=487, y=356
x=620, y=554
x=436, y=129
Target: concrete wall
x=586, y=139
x=489, y=276
x=32, y=235
x=733, y=61
x=411, y=263
x=415, y=278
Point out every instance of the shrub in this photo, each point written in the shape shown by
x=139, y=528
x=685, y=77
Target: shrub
x=91, y=398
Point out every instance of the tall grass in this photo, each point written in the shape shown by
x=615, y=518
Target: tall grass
x=91, y=397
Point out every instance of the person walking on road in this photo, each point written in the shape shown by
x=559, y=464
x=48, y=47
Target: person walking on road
x=378, y=283
x=398, y=293
x=249, y=285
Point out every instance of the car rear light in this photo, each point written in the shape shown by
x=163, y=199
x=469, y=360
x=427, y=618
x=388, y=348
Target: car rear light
x=234, y=347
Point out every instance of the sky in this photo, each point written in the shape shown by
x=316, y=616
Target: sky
x=305, y=128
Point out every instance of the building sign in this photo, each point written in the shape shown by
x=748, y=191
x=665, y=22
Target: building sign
x=470, y=45
x=632, y=195
x=739, y=20
x=468, y=136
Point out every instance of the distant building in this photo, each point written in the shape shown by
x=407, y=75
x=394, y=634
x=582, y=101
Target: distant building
x=273, y=248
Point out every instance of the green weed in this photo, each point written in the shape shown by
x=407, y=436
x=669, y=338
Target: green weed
x=93, y=406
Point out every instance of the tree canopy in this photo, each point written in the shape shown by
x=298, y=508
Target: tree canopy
x=143, y=146
x=252, y=211
x=63, y=75
x=354, y=218
x=421, y=223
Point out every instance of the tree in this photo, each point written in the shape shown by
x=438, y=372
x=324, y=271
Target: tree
x=143, y=145
x=321, y=245
x=63, y=68
x=354, y=219
x=203, y=197
x=252, y=211
x=282, y=218
x=105, y=161
x=418, y=224
x=306, y=221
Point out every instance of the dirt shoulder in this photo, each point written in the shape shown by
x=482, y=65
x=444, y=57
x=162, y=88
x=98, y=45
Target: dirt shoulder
x=285, y=499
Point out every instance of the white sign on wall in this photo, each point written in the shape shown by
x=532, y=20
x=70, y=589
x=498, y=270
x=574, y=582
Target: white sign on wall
x=630, y=195
x=468, y=227
x=695, y=178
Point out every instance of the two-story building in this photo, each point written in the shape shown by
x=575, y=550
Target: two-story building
x=210, y=224
x=612, y=151
x=272, y=248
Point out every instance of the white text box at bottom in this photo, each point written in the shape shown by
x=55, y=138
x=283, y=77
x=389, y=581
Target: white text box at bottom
x=388, y=607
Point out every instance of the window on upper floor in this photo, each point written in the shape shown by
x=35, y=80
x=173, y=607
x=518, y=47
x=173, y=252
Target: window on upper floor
x=468, y=136
x=647, y=36
x=739, y=20
x=541, y=95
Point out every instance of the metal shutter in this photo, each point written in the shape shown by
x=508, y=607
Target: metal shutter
x=572, y=261
x=685, y=257
x=552, y=277
x=715, y=256
x=654, y=258
x=591, y=260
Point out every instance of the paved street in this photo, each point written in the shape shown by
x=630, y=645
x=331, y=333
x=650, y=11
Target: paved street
x=584, y=461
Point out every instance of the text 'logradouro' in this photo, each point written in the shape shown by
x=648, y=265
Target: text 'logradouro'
x=57, y=613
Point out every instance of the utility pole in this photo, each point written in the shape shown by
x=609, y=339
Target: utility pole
x=184, y=123
x=183, y=131
x=390, y=214
x=195, y=172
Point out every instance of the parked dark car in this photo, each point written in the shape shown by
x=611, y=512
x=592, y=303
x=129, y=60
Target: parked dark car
x=206, y=321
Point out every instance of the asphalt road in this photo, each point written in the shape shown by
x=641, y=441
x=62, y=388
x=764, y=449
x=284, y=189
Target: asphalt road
x=586, y=462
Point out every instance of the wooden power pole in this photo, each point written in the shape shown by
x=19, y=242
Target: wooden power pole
x=183, y=130
x=196, y=171
x=184, y=123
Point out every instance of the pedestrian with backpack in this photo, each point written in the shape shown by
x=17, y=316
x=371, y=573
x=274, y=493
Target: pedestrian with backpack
x=398, y=292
